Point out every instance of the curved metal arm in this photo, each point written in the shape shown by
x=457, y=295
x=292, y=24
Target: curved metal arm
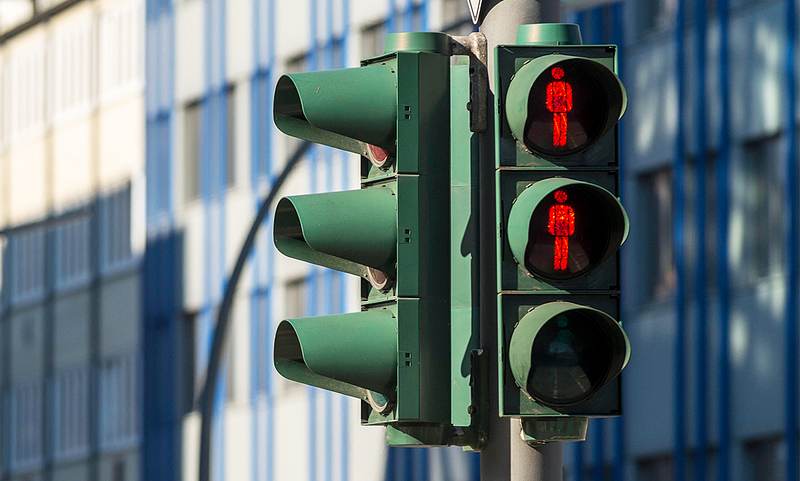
x=223, y=315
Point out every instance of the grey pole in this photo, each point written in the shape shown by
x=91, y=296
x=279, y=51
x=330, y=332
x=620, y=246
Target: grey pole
x=507, y=457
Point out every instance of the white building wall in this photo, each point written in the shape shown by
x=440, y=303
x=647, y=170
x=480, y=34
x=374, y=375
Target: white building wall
x=71, y=139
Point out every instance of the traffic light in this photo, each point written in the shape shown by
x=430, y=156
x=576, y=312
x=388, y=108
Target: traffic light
x=393, y=111
x=559, y=228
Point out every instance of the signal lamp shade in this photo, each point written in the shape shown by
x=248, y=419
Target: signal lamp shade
x=562, y=353
x=350, y=231
x=351, y=354
x=558, y=105
x=561, y=228
x=341, y=108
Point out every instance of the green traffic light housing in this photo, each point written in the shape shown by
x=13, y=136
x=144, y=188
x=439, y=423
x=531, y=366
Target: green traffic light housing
x=312, y=228
x=560, y=228
x=393, y=111
x=562, y=353
x=359, y=361
x=350, y=109
x=560, y=104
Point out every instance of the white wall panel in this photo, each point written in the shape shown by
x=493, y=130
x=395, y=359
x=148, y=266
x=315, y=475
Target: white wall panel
x=194, y=259
x=121, y=141
x=239, y=55
x=27, y=182
x=189, y=51
x=293, y=28
x=72, y=153
x=292, y=428
x=238, y=454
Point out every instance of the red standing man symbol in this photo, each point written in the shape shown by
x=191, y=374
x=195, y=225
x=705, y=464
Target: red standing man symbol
x=561, y=224
x=559, y=101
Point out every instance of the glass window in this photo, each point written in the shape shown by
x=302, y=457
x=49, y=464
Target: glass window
x=72, y=238
x=656, y=468
x=757, y=225
x=27, y=265
x=372, y=40
x=595, y=473
x=230, y=154
x=456, y=19
x=710, y=462
x=765, y=459
x=71, y=413
x=296, y=298
x=656, y=14
x=115, y=228
x=118, y=470
x=119, y=401
x=26, y=426
x=191, y=149
x=656, y=205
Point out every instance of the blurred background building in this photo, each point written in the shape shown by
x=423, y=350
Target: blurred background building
x=71, y=233
x=110, y=284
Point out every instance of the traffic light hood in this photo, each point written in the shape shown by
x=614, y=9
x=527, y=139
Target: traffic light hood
x=341, y=107
x=347, y=353
x=349, y=231
x=598, y=106
x=562, y=353
x=601, y=220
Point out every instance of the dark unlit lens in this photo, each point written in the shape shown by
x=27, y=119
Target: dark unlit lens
x=570, y=360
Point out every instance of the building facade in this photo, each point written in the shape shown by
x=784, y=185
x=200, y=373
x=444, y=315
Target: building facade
x=71, y=236
x=110, y=284
x=709, y=162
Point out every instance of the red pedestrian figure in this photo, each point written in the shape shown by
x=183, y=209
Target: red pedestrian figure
x=559, y=101
x=561, y=224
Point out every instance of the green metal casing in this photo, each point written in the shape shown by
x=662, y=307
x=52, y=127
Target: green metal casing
x=522, y=178
x=397, y=224
x=465, y=362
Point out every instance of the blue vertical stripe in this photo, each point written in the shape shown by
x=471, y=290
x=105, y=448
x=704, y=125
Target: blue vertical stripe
x=313, y=64
x=723, y=285
x=598, y=449
x=344, y=414
x=700, y=321
x=792, y=241
x=161, y=267
x=679, y=387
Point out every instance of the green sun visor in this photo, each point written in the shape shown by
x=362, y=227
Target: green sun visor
x=312, y=228
x=361, y=357
x=311, y=105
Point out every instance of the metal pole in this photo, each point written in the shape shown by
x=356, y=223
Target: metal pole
x=506, y=457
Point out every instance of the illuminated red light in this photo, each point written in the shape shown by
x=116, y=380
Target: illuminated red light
x=559, y=102
x=561, y=224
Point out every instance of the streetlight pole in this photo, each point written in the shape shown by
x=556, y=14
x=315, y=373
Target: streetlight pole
x=506, y=457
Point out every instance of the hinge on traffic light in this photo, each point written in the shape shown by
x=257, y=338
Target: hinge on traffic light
x=479, y=408
x=474, y=46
